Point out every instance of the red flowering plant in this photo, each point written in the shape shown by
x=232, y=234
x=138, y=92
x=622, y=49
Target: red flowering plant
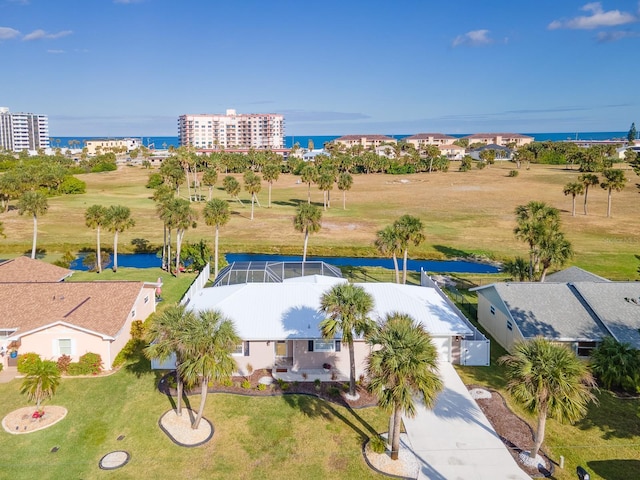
x=38, y=414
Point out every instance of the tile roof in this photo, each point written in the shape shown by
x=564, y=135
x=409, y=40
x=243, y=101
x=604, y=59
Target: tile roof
x=552, y=310
x=25, y=269
x=102, y=307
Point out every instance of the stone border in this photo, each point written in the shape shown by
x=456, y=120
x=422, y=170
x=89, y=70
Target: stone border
x=126, y=460
x=187, y=445
x=28, y=410
x=370, y=465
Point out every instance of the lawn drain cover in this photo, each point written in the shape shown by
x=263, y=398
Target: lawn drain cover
x=114, y=460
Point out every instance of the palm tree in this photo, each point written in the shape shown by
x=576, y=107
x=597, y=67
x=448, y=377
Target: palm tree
x=548, y=379
x=161, y=196
x=617, y=365
x=271, y=172
x=253, y=186
x=408, y=229
x=535, y=221
x=209, y=178
x=387, y=243
x=308, y=175
x=518, y=268
x=216, y=213
x=588, y=180
x=308, y=220
x=614, y=179
x=165, y=336
x=232, y=187
x=345, y=182
x=555, y=249
x=325, y=183
x=404, y=365
x=210, y=341
x=180, y=216
x=96, y=217
x=34, y=204
x=118, y=220
x=573, y=189
x=41, y=382
x=348, y=307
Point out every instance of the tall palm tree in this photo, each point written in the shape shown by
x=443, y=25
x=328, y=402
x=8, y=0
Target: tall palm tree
x=34, y=204
x=404, y=365
x=161, y=196
x=409, y=230
x=253, y=186
x=96, y=217
x=165, y=336
x=588, y=180
x=210, y=341
x=209, y=178
x=232, y=187
x=573, y=189
x=555, y=249
x=41, y=382
x=308, y=220
x=325, y=183
x=345, y=182
x=614, y=179
x=180, y=216
x=617, y=365
x=348, y=307
x=308, y=175
x=535, y=222
x=216, y=213
x=549, y=380
x=271, y=173
x=118, y=220
x=388, y=243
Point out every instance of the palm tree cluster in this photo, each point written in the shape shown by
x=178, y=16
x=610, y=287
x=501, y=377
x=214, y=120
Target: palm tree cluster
x=539, y=226
x=116, y=219
x=614, y=180
x=397, y=238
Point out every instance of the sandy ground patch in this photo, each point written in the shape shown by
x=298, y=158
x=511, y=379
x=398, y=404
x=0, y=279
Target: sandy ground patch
x=21, y=421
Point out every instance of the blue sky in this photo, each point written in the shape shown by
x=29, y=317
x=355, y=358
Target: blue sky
x=130, y=67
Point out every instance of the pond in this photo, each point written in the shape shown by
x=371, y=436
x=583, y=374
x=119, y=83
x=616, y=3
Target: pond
x=149, y=260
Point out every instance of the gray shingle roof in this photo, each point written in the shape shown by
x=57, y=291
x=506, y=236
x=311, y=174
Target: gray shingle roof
x=617, y=304
x=574, y=274
x=551, y=310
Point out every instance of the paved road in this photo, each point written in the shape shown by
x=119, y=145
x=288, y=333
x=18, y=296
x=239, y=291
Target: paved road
x=455, y=441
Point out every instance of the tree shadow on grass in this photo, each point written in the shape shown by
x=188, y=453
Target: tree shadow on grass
x=613, y=469
x=451, y=252
x=292, y=202
x=314, y=407
x=611, y=417
x=40, y=253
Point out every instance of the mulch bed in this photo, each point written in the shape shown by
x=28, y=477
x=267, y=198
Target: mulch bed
x=330, y=391
x=516, y=434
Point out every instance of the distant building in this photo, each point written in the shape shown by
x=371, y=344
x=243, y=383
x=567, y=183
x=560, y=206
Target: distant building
x=23, y=131
x=105, y=145
x=367, y=141
x=502, y=153
x=502, y=139
x=232, y=131
x=422, y=139
x=451, y=151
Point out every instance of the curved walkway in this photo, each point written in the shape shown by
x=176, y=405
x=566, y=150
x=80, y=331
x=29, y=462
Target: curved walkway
x=455, y=440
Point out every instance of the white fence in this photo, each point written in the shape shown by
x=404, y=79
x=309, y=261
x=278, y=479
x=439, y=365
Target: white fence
x=197, y=285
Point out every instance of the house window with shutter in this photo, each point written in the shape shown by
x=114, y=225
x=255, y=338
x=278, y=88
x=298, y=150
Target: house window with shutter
x=324, y=346
x=64, y=346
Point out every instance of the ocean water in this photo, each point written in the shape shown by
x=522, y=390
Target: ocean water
x=160, y=142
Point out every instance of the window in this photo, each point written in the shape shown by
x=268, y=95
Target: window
x=146, y=299
x=64, y=346
x=493, y=310
x=133, y=313
x=324, y=346
x=509, y=325
x=239, y=351
x=584, y=349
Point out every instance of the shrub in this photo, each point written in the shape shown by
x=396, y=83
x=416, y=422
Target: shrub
x=617, y=365
x=63, y=363
x=227, y=382
x=335, y=391
x=92, y=362
x=26, y=361
x=377, y=444
x=155, y=180
x=513, y=173
x=345, y=387
x=74, y=369
x=285, y=386
x=262, y=387
x=481, y=165
x=465, y=165
x=132, y=349
x=249, y=368
x=137, y=330
x=72, y=186
x=246, y=384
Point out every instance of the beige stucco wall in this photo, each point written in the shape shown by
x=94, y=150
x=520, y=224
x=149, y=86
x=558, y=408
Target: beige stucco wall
x=496, y=323
x=303, y=359
x=260, y=356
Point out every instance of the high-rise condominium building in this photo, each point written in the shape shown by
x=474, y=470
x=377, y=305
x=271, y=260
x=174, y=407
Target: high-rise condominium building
x=23, y=131
x=232, y=131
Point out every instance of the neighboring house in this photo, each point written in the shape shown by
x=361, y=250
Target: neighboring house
x=24, y=269
x=41, y=313
x=574, y=274
x=621, y=151
x=502, y=139
x=422, y=139
x=278, y=321
x=502, y=153
x=367, y=141
x=452, y=152
x=578, y=313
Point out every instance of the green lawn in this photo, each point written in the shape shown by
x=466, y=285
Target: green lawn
x=267, y=437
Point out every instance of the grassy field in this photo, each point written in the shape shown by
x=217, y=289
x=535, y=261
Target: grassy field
x=464, y=213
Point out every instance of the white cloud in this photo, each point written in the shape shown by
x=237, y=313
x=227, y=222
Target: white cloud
x=598, y=18
x=474, y=38
x=41, y=34
x=7, y=33
x=56, y=52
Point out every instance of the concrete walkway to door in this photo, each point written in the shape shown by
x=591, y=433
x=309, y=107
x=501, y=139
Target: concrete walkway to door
x=7, y=374
x=455, y=441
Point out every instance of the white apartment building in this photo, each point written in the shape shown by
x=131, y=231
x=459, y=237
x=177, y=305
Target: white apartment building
x=23, y=131
x=232, y=131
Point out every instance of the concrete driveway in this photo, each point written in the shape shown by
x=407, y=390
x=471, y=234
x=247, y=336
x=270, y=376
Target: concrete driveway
x=455, y=441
